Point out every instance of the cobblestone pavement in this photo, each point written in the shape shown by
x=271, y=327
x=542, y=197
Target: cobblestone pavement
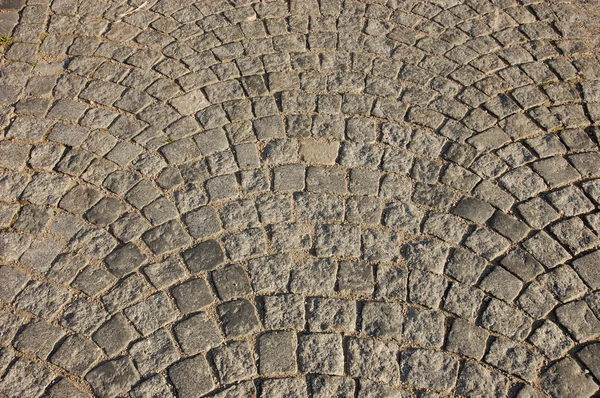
x=302, y=198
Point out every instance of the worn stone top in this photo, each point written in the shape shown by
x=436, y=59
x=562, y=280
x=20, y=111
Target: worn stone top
x=303, y=198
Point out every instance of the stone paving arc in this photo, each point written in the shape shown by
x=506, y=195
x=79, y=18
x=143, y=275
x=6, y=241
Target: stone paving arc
x=299, y=198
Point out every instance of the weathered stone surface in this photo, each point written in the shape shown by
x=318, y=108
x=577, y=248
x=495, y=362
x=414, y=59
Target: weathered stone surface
x=566, y=378
x=514, y=358
x=113, y=378
x=234, y=361
x=429, y=369
x=299, y=198
x=25, y=378
x=238, y=318
x=374, y=360
x=191, y=376
x=321, y=353
x=197, y=333
x=277, y=352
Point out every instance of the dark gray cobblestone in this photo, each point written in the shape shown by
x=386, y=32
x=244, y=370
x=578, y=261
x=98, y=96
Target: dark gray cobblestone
x=299, y=198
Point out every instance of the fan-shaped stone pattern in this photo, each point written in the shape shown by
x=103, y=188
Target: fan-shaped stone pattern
x=306, y=198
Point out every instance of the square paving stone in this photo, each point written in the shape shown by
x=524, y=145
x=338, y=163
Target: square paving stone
x=588, y=270
x=166, y=237
x=486, y=243
x=318, y=207
x=13, y=282
x=239, y=215
x=363, y=210
x=355, y=277
x=25, y=378
x=160, y=211
x=426, y=254
x=551, y=340
x=38, y=338
x=463, y=300
x=537, y=212
x=590, y=355
x=129, y=290
x=234, y=361
x=546, y=250
x=203, y=222
x=337, y=240
x=66, y=388
x=41, y=299
x=382, y=319
x=154, y=353
x=192, y=295
x=83, y=316
x=205, y=256
x=270, y=273
x=565, y=378
x=45, y=189
x=446, y=227
x=287, y=237
x=113, y=378
x=197, y=333
x=391, y=282
x=244, y=244
x=66, y=266
x=429, y=369
x=574, y=235
x=332, y=386
x=76, y=355
x=315, y=277
x=380, y=245
x=570, y=201
x=284, y=312
x=564, y=283
x=152, y=313
x=474, y=210
x=329, y=315
x=514, y=358
x=32, y=219
x=502, y=284
x=154, y=386
x=115, y=335
x=522, y=264
x=326, y=180
x=476, y=380
x=238, y=318
x=426, y=288
x=523, y=183
x=292, y=387
x=467, y=339
x=424, y=327
x=231, y=282
x=106, y=211
x=374, y=360
x=191, y=376
x=364, y=182
x=501, y=318
x=277, y=352
x=579, y=320
x=124, y=259
x=11, y=4
x=321, y=353
x=536, y=301
x=222, y=187
x=164, y=273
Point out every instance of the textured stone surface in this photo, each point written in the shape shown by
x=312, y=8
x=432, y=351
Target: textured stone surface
x=299, y=198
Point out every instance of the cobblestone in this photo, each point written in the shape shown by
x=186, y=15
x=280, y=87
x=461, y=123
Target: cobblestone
x=299, y=198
